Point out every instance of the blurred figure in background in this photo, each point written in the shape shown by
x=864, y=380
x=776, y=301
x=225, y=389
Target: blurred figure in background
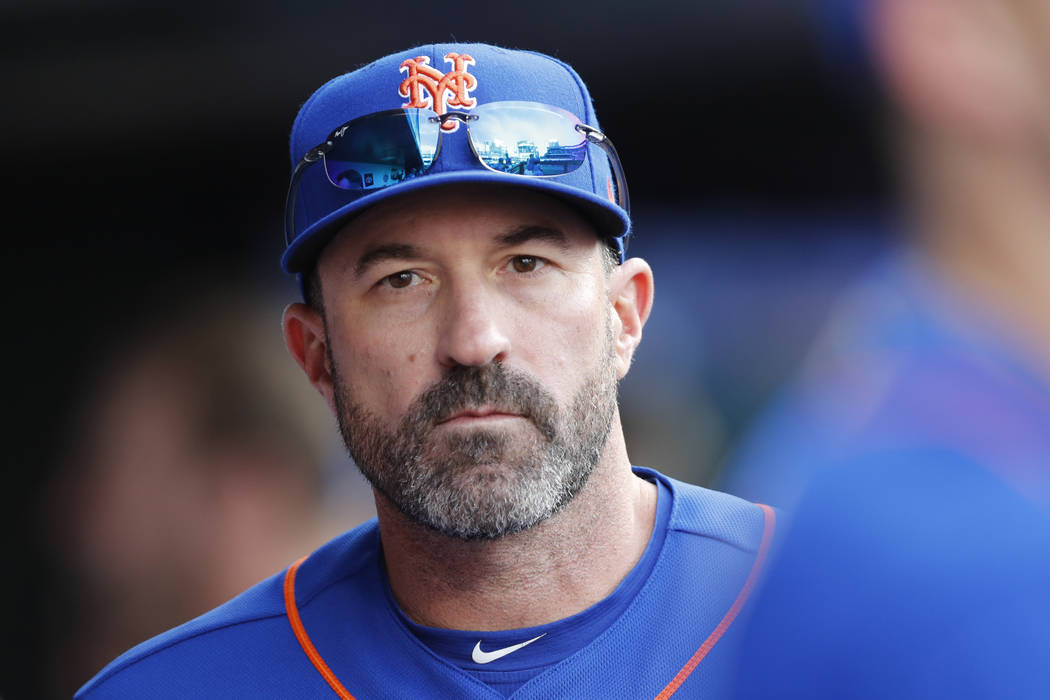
x=198, y=468
x=915, y=448
x=948, y=343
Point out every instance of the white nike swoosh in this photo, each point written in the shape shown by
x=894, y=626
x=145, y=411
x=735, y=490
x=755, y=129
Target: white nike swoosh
x=484, y=657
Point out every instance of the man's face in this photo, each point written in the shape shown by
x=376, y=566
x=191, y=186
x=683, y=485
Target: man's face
x=976, y=68
x=470, y=343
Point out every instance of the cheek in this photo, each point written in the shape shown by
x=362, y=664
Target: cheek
x=566, y=337
x=383, y=371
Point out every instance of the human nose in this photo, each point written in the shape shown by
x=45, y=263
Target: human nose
x=473, y=334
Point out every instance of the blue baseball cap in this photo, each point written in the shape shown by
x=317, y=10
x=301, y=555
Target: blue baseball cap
x=465, y=76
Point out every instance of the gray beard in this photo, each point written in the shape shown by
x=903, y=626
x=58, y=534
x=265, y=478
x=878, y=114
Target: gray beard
x=483, y=483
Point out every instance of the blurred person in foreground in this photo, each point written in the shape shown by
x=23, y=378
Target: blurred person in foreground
x=915, y=447
x=196, y=471
x=460, y=225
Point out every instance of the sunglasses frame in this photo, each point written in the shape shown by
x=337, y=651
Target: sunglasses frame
x=317, y=153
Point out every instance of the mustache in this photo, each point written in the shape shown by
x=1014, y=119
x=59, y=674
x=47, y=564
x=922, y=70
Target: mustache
x=493, y=385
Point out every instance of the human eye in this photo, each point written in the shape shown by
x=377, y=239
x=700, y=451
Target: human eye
x=402, y=279
x=525, y=264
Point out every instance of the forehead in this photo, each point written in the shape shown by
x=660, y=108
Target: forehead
x=464, y=216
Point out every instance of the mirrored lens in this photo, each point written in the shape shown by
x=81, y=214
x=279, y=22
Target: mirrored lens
x=527, y=138
x=383, y=149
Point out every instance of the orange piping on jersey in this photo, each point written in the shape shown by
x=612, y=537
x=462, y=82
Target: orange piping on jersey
x=304, y=639
x=770, y=524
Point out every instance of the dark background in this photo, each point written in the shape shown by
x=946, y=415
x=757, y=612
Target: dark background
x=141, y=140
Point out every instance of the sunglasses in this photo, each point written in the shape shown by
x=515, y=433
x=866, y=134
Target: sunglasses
x=384, y=149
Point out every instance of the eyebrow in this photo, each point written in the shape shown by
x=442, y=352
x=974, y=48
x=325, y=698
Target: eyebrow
x=405, y=251
x=385, y=251
x=524, y=234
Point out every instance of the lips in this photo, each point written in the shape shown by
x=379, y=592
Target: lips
x=486, y=412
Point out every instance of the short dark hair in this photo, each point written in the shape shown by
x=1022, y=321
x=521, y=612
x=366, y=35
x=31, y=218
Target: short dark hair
x=312, y=294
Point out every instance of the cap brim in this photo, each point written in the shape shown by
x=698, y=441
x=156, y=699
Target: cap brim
x=609, y=220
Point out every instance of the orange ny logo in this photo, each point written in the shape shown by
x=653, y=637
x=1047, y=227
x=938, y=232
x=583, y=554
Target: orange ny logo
x=428, y=88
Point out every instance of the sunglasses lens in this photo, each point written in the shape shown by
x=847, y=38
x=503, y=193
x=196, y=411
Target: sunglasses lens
x=383, y=149
x=527, y=138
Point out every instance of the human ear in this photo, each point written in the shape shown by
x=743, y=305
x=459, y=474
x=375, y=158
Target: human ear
x=631, y=296
x=307, y=341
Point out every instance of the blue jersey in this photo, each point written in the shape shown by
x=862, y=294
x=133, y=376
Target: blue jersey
x=906, y=364
x=913, y=457
x=329, y=627
x=912, y=575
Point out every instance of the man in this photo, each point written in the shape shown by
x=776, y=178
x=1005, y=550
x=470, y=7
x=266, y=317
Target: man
x=948, y=342
x=915, y=445
x=197, y=468
x=459, y=223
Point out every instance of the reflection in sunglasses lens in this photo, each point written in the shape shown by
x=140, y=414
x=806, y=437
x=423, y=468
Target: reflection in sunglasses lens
x=527, y=139
x=523, y=138
x=383, y=149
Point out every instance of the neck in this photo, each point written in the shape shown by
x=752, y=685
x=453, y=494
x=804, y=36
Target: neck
x=985, y=223
x=551, y=571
